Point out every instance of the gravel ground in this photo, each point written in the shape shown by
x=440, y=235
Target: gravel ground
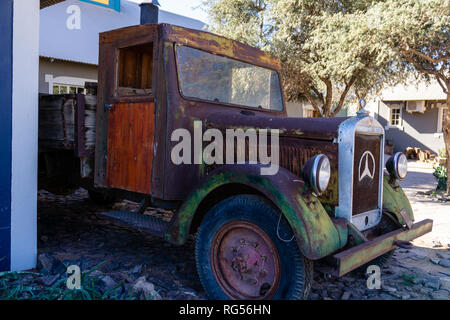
x=422, y=272
x=135, y=265
x=73, y=232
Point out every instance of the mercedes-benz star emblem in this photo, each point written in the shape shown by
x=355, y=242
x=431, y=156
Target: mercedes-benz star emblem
x=367, y=172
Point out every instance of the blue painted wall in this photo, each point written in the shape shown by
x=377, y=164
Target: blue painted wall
x=112, y=4
x=6, y=36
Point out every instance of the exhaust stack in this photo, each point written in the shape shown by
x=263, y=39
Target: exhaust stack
x=149, y=12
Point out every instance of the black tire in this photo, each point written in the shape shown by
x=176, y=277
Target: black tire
x=101, y=198
x=295, y=272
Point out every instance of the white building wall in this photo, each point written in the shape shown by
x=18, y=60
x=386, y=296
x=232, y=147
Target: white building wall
x=417, y=129
x=24, y=134
x=414, y=91
x=294, y=109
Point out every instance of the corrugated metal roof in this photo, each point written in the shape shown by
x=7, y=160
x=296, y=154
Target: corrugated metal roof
x=81, y=45
x=47, y=3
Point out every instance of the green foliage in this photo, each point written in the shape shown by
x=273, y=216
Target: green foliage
x=324, y=45
x=442, y=153
x=59, y=291
x=336, y=51
x=440, y=172
x=408, y=279
x=417, y=31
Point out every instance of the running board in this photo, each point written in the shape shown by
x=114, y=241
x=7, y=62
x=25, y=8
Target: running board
x=139, y=221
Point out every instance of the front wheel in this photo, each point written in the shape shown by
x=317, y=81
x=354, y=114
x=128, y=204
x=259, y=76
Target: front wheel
x=246, y=250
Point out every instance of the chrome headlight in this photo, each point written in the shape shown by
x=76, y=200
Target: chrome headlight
x=317, y=171
x=397, y=166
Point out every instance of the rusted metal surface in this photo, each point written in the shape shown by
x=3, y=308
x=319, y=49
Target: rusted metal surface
x=172, y=111
x=181, y=112
x=161, y=135
x=357, y=256
x=219, y=45
x=130, y=146
x=245, y=261
x=317, y=236
x=366, y=173
x=304, y=128
x=294, y=153
x=396, y=202
x=310, y=217
x=406, y=218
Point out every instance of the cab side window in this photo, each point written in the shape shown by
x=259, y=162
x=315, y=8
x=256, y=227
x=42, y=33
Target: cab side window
x=135, y=70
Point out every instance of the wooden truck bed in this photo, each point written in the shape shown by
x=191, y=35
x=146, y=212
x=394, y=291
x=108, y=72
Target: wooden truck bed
x=67, y=122
x=66, y=139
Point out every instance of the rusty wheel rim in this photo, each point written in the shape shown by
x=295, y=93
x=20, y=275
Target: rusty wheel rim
x=245, y=261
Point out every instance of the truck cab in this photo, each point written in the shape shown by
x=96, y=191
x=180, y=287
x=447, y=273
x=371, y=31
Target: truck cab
x=163, y=78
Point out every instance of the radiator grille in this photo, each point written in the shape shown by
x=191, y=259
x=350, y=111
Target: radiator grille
x=366, y=173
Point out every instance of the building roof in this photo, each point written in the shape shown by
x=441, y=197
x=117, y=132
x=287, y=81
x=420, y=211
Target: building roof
x=414, y=91
x=81, y=45
x=47, y=3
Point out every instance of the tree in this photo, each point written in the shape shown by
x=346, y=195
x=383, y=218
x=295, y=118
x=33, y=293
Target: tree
x=339, y=56
x=418, y=33
x=324, y=45
x=333, y=50
x=243, y=20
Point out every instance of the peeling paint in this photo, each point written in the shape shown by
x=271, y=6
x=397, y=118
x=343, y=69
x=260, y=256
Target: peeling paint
x=316, y=233
x=394, y=200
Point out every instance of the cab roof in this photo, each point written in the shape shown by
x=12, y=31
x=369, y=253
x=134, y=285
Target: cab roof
x=203, y=40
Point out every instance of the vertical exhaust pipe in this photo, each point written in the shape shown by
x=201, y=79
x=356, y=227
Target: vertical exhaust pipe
x=149, y=12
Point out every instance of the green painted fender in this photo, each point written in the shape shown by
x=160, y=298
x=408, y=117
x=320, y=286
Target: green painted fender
x=316, y=234
x=394, y=200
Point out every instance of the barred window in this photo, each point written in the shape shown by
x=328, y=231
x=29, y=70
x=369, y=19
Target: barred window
x=64, y=89
x=395, y=116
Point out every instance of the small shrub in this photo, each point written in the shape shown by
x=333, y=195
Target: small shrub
x=440, y=172
x=11, y=288
x=408, y=279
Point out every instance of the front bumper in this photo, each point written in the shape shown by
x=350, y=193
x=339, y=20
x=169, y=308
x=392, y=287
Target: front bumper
x=357, y=256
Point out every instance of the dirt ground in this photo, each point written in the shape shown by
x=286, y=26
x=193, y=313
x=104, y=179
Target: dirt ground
x=72, y=232
x=421, y=272
x=420, y=179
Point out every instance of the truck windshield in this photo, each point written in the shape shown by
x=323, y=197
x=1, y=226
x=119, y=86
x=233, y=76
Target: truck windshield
x=210, y=77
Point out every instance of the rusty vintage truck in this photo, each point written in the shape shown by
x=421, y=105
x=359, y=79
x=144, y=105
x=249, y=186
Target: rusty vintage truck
x=257, y=236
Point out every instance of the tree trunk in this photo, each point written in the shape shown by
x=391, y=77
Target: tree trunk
x=359, y=97
x=446, y=130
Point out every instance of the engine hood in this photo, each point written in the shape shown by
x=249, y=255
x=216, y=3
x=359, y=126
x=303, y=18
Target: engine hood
x=308, y=128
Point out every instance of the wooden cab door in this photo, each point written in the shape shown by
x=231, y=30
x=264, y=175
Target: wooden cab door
x=131, y=121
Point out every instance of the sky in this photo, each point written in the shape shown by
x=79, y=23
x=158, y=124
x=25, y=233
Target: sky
x=183, y=7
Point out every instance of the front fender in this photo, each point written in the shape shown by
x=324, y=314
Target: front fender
x=316, y=234
x=395, y=200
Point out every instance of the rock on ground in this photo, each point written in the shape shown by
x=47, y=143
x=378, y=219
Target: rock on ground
x=145, y=288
